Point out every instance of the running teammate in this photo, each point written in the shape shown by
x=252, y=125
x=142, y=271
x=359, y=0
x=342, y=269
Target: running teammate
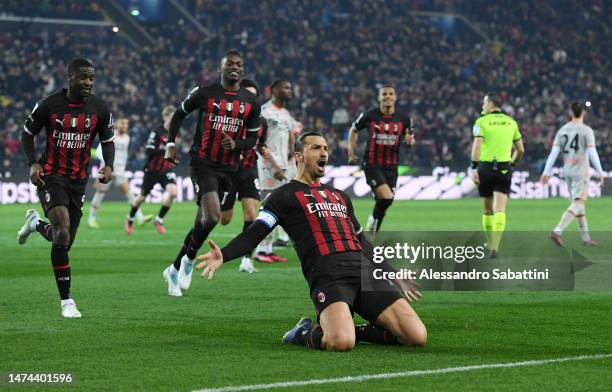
x=322, y=225
x=492, y=161
x=386, y=126
x=576, y=141
x=156, y=171
x=227, y=123
x=72, y=118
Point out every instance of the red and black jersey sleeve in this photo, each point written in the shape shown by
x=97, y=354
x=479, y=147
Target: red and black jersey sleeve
x=155, y=150
x=193, y=101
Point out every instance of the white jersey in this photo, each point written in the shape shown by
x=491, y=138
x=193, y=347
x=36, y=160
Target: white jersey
x=573, y=139
x=280, y=124
x=122, y=143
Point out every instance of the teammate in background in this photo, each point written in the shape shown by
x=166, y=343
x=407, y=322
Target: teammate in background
x=72, y=118
x=122, y=142
x=386, y=126
x=492, y=161
x=276, y=167
x=245, y=185
x=321, y=223
x=156, y=171
x=577, y=142
x=228, y=122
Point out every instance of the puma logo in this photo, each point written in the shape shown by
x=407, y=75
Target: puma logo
x=217, y=105
x=60, y=122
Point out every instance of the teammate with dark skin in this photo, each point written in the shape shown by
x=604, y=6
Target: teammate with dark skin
x=232, y=71
x=80, y=84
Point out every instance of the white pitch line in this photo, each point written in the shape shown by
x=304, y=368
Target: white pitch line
x=411, y=373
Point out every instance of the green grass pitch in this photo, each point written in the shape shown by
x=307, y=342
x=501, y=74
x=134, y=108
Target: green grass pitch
x=227, y=331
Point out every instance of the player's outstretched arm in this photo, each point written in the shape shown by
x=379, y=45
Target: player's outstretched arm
x=352, y=146
x=108, y=153
x=242, y=244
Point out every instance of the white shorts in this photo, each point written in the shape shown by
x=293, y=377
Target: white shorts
x=578, y=187
x=118, y=179
x=266, y=176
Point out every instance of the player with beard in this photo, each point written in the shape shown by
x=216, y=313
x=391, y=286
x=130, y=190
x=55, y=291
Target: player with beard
x=73, y=118
x=156, y=171
x=321, y=223
x=276, y=167
x=227, y=123
x=386, y=126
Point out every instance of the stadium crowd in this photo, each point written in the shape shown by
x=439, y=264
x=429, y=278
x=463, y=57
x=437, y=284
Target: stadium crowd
x=336, y=55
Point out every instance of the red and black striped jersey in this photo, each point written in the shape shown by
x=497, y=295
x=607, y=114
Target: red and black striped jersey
x=319, y=219
x=71, y=129
x=385, y=137
x=249, y=157
x=220, y=111
x=156, y=148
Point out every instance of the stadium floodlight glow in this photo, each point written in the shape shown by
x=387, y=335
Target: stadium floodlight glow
x=115, y=29
x=135, y=12
x=587, y=104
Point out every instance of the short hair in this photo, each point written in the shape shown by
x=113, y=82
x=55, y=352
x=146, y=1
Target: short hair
x=168, y=110
x=77, y=63
x=299, y=143
x=232, y=52
x=386, y=85
x=250, y=83
x=495, y=98
x=277, y=83
x=576, y=108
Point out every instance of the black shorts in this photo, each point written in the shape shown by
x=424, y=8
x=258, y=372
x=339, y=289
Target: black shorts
x=152, y=177
x=208, y=179
x=494, y=178
x=245, y=183
x=379, y=175
x=369, y=304
x=60, y=191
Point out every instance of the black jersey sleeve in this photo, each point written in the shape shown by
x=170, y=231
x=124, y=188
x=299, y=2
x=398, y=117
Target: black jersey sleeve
x=361, y=121
x=252, y=123
x=193, y=100
x=274, y=208
x=245, y=242
x=105, y=128
x=37, y=119
x=408, y=125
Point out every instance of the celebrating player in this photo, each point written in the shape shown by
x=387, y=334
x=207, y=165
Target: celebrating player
x=494, y=135
x=577, y=142
x=322, y=225
x=245, y=185
x=156, y=171
x=122, y=142
x=276, y=166
x=228, y=122
x=72, y=118
x=386, y=125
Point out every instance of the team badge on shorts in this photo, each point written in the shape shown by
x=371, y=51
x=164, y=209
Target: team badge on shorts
x=321, y=297
x=47, y=197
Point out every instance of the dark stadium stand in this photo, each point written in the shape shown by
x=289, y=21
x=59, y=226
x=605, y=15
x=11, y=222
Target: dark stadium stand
x=540, y=55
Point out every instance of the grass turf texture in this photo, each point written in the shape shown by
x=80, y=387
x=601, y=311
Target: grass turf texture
x=227, y=331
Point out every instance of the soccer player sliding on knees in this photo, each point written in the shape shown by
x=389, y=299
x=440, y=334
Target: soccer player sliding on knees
x=321, y=223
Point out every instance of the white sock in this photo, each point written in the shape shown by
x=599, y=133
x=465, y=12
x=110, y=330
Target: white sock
x=160, y=220
x=583, y=226
x=173, y=269
x=566, y=219
x=95, y=204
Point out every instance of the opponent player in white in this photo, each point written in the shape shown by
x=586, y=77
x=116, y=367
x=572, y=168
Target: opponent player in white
x=122, y=143
x=577, y=143
x=279, y=145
